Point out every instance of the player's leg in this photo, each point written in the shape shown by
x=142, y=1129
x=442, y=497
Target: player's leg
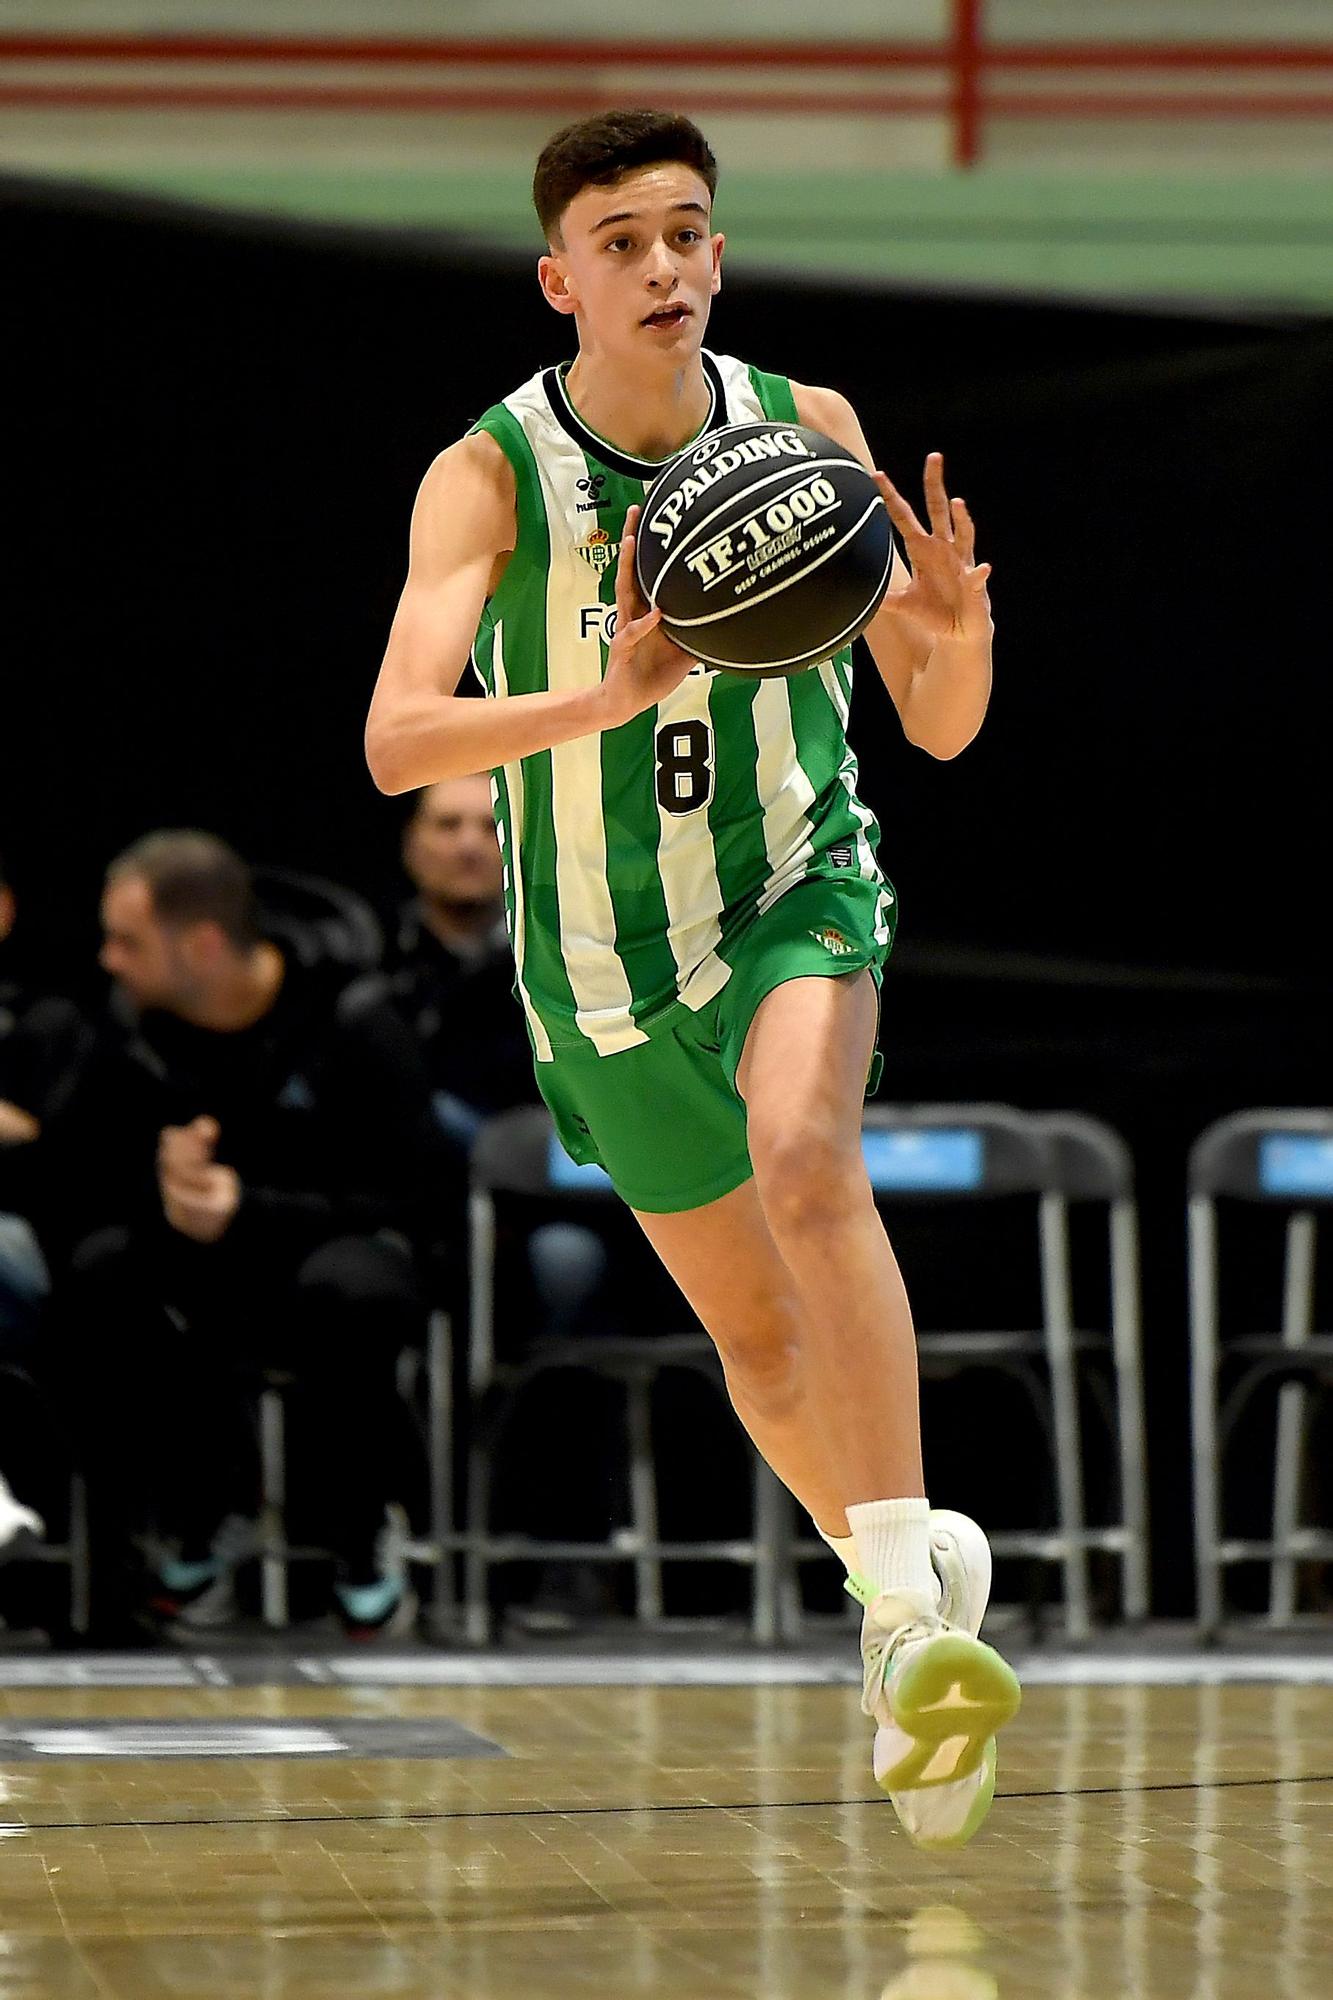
x=724, y=1259
x=802, y=1075
x=666, y=1123
x=935, y=1692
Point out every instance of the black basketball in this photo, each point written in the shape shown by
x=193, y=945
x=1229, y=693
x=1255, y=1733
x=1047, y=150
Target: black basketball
x=766, y=546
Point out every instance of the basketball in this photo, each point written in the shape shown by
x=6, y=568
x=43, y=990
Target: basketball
x=766, y=547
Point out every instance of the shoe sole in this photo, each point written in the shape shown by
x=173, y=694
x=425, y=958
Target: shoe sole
x=949, y=1699
x=946, y=1843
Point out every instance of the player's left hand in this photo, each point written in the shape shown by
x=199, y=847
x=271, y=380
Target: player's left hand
x=947, y=596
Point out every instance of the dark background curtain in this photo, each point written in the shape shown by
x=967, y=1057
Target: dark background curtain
x=1114, y=900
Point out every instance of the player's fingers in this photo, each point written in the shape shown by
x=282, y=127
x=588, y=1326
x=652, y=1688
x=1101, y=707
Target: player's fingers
x=964, y=533
x=937, y=500
x=636, y=629
x=629, y=598
x=900, y=513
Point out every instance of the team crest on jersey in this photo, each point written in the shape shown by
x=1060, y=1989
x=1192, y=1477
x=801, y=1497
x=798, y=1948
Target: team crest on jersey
x=599, y=549
x=833, y=941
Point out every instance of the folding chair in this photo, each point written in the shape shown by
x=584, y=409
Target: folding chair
x=518, y=1153
x=435, y=1549
x=1093, y=1164
x=1282, y=1159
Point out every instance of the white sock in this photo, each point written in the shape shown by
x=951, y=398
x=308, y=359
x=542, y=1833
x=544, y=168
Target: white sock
x=893, y=1546
x=843, y=1547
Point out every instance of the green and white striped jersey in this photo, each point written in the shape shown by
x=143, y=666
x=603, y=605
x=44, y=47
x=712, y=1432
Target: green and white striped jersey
x=635, y=860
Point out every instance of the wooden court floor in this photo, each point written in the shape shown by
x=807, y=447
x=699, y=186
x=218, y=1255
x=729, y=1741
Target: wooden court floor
x=1164, y=1843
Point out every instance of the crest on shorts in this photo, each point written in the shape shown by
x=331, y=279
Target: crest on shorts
x=833, y=941
x=599, y=549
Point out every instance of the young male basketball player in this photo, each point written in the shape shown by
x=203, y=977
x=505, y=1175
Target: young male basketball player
x=698, y=919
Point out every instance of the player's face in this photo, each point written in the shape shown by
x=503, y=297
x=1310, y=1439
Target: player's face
x=450, y=849
x=637, y=263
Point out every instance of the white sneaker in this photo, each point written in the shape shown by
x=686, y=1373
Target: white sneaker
x=960, y=1558
x=20, y=1527
x=936, y=1693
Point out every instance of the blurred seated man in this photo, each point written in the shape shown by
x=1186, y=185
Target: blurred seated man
x=453, y=978
x=453, y=972
x=248, y=1173
x=42, y=1038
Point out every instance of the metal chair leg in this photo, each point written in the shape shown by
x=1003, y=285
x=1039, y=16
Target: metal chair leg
x=80, y=1556
x=273, y=1499
x=1293, y=1405
x=1054, y=1234
x=1127, y=1352
x=771, y=1525
x=440, y=1463
x=1203, y=1408
x=476, y=1567
x=643, y=1500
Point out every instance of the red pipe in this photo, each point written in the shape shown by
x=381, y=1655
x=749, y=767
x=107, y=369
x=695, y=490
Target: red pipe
x=367, y=53
x=539, y=54
x=481, y=97
x=968, y=41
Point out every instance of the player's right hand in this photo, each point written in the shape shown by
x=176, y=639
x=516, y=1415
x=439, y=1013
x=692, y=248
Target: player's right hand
x=643, y=665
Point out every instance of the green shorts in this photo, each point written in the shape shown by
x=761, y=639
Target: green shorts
x=664, y=1119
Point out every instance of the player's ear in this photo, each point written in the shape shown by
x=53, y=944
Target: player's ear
x=719, y=245
x=551, y=277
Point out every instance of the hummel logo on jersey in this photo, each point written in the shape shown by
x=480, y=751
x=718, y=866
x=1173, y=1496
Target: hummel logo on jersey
x=593, y=488
x=833, y=941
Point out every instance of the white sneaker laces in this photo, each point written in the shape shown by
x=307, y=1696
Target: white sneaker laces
x=879, y=1649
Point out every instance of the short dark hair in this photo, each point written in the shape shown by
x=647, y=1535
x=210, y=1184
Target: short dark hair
x=598, y=151
x=195, y=878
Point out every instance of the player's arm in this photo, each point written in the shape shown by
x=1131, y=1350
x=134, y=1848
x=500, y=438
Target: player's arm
x=931, y=637
x=418, y=729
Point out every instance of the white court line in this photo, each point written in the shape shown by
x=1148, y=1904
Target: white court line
x=728, y=1670
x=1178, y=1670
x=104, y=1670
x=587, y=1670
x=1198, y=1669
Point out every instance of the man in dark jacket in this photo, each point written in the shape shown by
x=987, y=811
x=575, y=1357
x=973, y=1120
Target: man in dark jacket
x=453, y=971
x=248, y=1175
x=42, y=1037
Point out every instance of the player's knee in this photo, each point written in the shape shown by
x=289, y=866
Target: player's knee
x=808, y=1180
x=762, y=1362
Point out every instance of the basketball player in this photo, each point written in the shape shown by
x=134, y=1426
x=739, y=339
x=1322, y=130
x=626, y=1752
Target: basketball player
x=697, y=915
